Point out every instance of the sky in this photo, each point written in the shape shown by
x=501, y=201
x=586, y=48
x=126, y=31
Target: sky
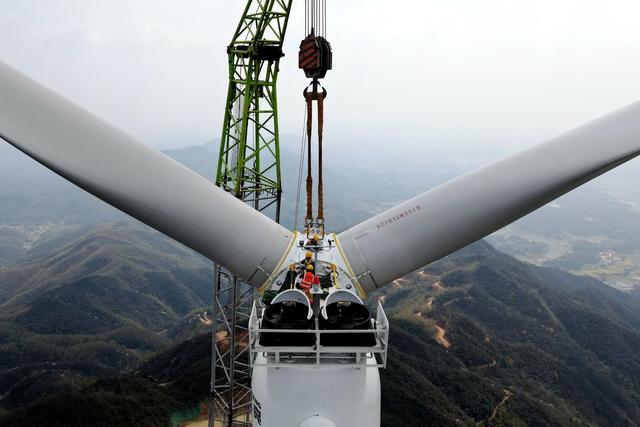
x=414, y=74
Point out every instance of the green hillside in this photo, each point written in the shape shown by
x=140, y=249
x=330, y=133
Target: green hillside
x=540, y=345
x=94, y=308
x=477, y=339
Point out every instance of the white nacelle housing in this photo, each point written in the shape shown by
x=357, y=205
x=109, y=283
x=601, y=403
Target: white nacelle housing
x=316, y=396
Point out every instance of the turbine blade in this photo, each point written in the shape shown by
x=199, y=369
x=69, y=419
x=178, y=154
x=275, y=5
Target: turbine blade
x=453, y=215
x=138, y=180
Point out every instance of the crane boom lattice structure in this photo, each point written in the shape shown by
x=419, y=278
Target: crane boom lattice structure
x=248, y=168
x=249, y=165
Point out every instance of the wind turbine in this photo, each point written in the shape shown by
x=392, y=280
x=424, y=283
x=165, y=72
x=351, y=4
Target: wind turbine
x=176, y=201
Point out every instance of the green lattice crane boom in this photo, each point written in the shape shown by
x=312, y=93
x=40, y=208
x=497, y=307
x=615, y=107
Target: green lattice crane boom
x=249, y=162
x=248, y=168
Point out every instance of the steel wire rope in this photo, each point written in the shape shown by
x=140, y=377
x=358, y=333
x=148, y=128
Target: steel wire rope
x=313, y=15
x=303, y=150
x=319, y=17
x=306, y=17
x=323, y=8
x=324, y=18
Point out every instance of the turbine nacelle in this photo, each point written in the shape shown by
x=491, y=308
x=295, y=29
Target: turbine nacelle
x=329, y=262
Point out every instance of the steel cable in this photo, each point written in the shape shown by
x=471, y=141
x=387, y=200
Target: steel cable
x=303, y=149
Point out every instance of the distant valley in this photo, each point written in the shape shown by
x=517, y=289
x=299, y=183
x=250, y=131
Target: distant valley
x=587, y=232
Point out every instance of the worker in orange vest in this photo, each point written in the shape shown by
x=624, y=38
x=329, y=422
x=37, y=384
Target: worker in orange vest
x=307, y=281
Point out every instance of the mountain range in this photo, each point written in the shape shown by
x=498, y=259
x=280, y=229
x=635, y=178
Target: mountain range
x=478, y=338
x=95, y=306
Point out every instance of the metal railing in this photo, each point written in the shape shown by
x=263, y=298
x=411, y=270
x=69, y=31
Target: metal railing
x=319, y=355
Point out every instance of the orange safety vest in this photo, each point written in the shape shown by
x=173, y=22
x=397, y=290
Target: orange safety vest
x=307, y=281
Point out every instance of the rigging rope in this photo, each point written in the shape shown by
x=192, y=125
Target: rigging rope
x=309, y=216
x=320, y=182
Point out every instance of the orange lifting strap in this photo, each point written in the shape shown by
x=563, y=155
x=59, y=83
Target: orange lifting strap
x=319, y=97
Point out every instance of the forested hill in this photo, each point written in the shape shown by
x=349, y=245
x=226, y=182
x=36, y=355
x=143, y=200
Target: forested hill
x=476, y=338
x=94, y=305
x=514, y=344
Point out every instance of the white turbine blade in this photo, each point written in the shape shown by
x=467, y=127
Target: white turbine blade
x=466, y=209
x=138, y=180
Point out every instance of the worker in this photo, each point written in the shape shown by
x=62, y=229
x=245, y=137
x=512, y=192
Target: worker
x=291, y=278
x=307, y=281
x=314, y=241
x=334, y=275
x=308, y=260
x=329, y=278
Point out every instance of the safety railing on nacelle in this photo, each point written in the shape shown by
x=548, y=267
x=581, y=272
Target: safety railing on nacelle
x=319, y=355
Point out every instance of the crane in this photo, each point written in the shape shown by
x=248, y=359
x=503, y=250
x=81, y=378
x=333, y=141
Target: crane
x=248, y=169
x=315, y=348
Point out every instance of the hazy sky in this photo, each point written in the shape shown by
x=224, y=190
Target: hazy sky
x=421, y=72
